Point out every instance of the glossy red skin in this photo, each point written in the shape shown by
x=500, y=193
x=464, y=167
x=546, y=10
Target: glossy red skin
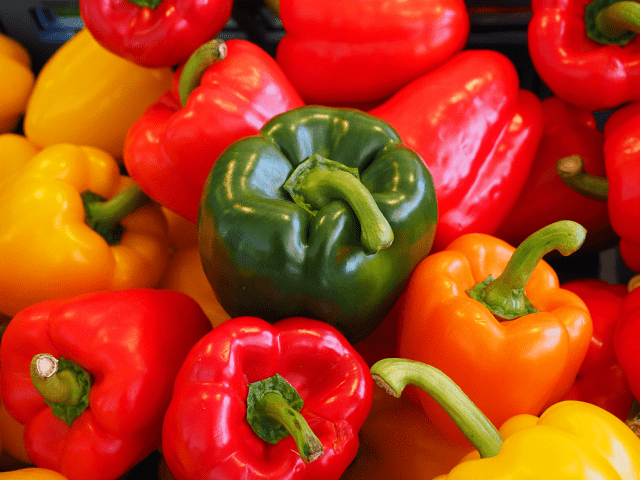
x=205, y=432
x=622, y=164
x=545, y=198
x=577, y=69
x=132, y=342
x=477, y=132
x=600, y=379
x=170, y=150
x=362, y=51
x=625, y=340
x=164, y=36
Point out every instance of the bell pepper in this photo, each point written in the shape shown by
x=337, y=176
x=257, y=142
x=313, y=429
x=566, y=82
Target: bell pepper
x=16, y=82
x=600, y=379
x=226, y=91
x=324, y=214
x=12, y=440
x=32, y=473
x=494, y=319
x=619, y=188
x=545, y=198
x=362, y=52
x=91, y=376
x=625, y=339
x=586, y=51
x=86, y=95
x=58, y=237
x=476, y=130
x=570, y=440
x=185, y=273
x=15, y=151
x=154, y=33
x=254, y=400
x=398, y=441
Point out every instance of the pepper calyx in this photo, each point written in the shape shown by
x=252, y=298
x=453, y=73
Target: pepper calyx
x=273, y=407
x=612, y=21
x=63, y=384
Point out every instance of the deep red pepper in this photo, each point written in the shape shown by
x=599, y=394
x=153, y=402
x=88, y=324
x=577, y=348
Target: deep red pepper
x=170, y=150
x=600, y=379
x=363, y=51
x=625, y=339
x=154, y=33
x=476, y=130
x=577, y=68
x=206, y=433
x=130, y=343
x=545, y=198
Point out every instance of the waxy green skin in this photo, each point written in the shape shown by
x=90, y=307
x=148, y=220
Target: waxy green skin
x=266, y=256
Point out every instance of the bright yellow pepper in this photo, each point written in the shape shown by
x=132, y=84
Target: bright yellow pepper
x=571, y=440
x=16, y=82
x=15, y=151
x=86, y=95
x=47, y=248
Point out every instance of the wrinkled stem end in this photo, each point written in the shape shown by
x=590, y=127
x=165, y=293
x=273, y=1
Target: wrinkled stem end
x=571, y=170
x=612, y=21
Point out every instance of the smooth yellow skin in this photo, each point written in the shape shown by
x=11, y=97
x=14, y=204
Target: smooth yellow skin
x=570, y=441
x=32, y=473
x=15, y=151
x=86, y=95
x=16, y=82
x=48, y=251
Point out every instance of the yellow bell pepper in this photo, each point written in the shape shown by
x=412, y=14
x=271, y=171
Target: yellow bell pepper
x=571, y=440
x=86, y=95
x=16, y=82
x=185, y=272
x=32, y=473
x=47, y=248
x=15, y=151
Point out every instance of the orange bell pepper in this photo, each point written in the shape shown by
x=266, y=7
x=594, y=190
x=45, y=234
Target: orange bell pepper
x=32, y=473
x=16, y=82
x=514, y=348
x=185, y=272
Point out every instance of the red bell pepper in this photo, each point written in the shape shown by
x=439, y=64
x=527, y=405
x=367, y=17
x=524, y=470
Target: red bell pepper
x=476, y=130
x=545, y=198
x=620, y=186
x=600, y=379
x=361, y=52
x=586, y=51
x=154, y=33
x=227, y=91
x=625, y=339
x=91, y=376
x=218, y=425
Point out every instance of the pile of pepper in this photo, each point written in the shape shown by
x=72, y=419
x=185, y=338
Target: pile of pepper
x=211, y=254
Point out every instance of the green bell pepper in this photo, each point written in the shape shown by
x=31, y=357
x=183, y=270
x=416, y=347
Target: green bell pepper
x=323, y=214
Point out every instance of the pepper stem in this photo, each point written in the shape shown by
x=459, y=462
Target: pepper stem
x=505, y=296
x=104, y=216
x=202, y=58
x=394, y=374
x=318, y=181
x=146, y=3
x=63, y=384
x=612, y=21
x=273, y=5
x=273, y=407
x=571, y=170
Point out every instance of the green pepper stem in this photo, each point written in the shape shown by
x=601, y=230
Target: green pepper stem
x=394, y=374
x=571, y=170
x=318, y=181
x=53, y=385
x=104, y=216
x=146, y=3
x=202, y=58
x=619, y=18
x=505, y=296
x=277, y=408
x=273, y=5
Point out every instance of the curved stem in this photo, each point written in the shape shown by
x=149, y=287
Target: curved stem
x=318, y=181
x=104, y=216
x=571, y=170
x=505, y=295
x=394, y=374
x=202, y=58
x=619, y=18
